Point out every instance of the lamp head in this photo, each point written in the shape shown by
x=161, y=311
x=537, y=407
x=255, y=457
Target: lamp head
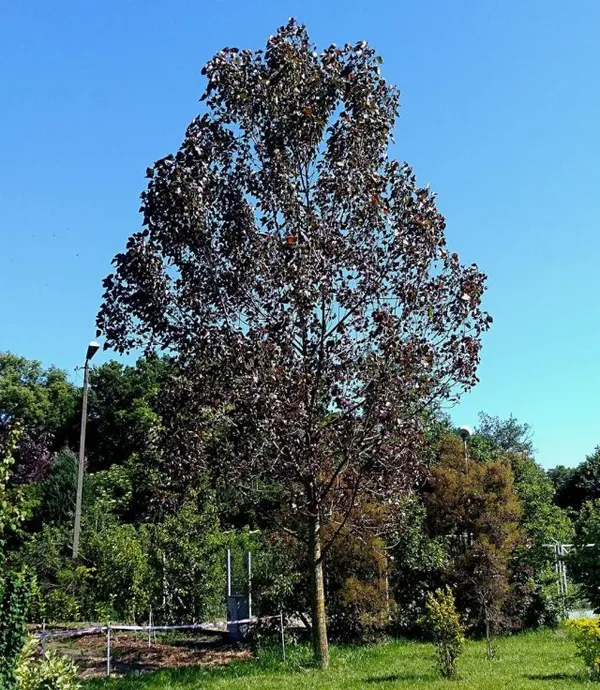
x=465, y=432
x=93, y=347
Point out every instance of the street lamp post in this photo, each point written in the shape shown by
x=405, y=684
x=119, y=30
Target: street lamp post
x=93, y=347
x=465, y=432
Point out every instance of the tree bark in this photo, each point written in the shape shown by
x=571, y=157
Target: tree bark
x=488, y=640
x=319, y=621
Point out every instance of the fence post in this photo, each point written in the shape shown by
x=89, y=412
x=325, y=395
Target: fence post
x=228, y=572
x=249, y=584
x=150, y=628
x=108, y=650
x=43, y=639
x=282, y=635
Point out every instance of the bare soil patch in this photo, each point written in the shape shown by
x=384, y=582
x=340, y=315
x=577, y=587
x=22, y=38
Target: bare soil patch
x=130, y=653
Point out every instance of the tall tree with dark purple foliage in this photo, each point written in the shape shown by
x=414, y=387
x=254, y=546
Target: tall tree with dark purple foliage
x=302, y=280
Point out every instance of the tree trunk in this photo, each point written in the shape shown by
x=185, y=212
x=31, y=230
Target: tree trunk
x=488, y=639
x=319, y=621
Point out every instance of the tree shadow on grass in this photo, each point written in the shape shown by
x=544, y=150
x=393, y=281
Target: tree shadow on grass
x=571, y=677
x=397, y=677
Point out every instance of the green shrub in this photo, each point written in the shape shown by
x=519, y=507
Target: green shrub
x=65, y=601
x=442, y=623
x=173, y=567
x=52, y=672
x=59, y=606
x=15, y=596
x=15, y=586
x=586, y=634
x=418, y=564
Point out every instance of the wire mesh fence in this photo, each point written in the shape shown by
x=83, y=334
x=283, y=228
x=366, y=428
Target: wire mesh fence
x=105, y=649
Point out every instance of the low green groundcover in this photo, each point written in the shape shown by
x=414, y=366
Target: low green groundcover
x=544, y=660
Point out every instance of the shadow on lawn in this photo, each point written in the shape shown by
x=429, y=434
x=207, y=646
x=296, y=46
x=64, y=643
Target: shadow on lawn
x=396, y=678
x=572, y=677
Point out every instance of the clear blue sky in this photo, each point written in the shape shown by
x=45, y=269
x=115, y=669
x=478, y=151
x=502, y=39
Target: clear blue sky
x=500, y=113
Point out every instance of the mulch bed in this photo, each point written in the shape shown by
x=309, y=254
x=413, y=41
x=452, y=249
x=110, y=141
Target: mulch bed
x=130, y=653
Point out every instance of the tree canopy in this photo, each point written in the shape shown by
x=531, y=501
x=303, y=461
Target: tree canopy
x=576, y=485
x=36, y=396
x=44, y=403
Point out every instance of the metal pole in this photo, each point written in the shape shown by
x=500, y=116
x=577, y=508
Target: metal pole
x=81, y=463
x=560, y=569
x=150, y=628
x=44, y=639
x=108, y=650
x=282, y=635
x=228, y=572
x=249, y=584
x=387, y=589
x=563, y=553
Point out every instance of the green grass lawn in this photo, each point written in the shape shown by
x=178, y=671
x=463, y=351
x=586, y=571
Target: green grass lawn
x=542, y=660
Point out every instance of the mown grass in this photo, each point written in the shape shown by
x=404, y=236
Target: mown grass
x=542, y=660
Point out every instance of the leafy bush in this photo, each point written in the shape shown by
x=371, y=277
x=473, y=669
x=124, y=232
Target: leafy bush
x=15, y=586
x=547, y=607
x=264, y=634
x=278, y=578
x=359, y=606
x=60, y=606
x=173, y=567
x=15, y=596
x=418, y=564
x=52, y=672
x=122, y=578
x=187, y=560
x=361, y=610
x=63, y=586
x=442, y=623
x=586, y=634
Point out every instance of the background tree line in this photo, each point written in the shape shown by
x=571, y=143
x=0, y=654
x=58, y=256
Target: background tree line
x=148, y=542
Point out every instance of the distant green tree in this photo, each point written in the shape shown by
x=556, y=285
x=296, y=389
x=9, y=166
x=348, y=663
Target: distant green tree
x=584, y=559
x=123, y=409
x=57, y=489
x=566, y=494
x=576, y=485
x=45, y=404
x=38, y=397
x=588, y=476
x=543, y=523
x=495, y=437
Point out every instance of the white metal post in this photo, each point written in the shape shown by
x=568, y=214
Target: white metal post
x=249, y=584
x=108, y=650
x=228, y=572
x=282, y=635
x=43, y=639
